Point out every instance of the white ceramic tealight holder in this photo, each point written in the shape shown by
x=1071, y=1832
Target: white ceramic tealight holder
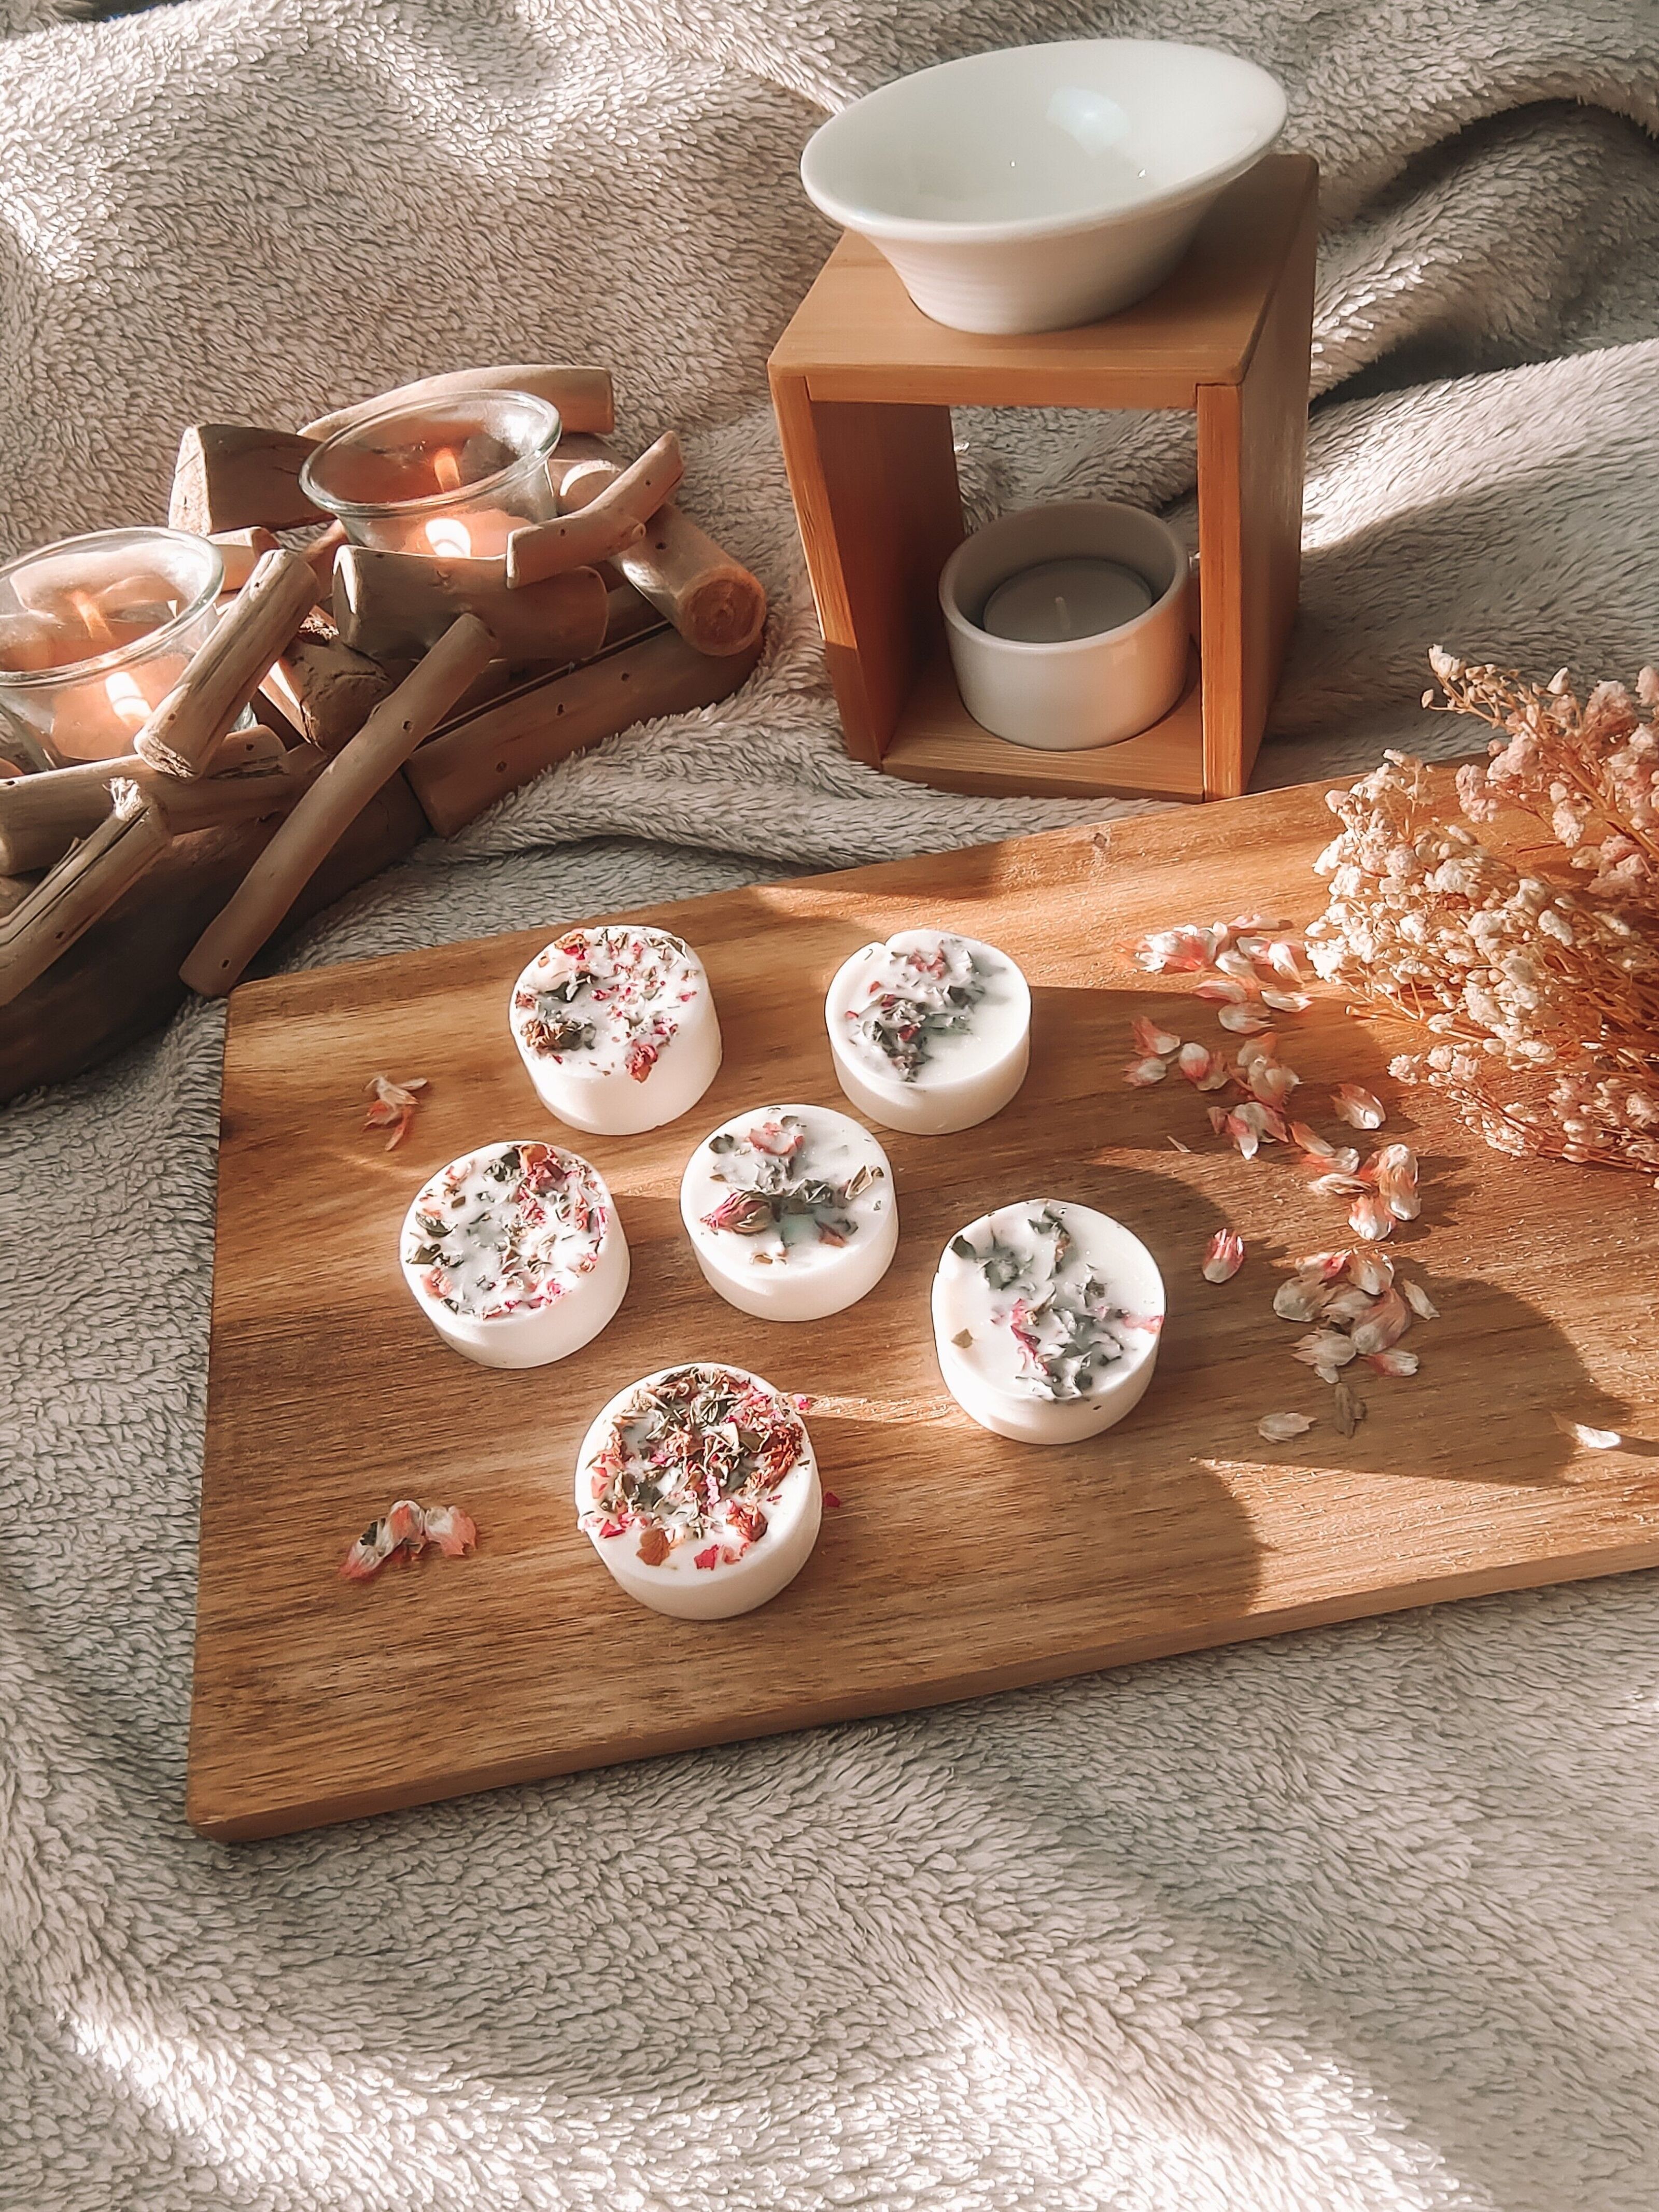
x=790, y=1211
x=1045, y=1319
x=514, y=1254
x=930, y=1032
x=1038, y=187
x=617, y=1028
x=1083, y=659
x=670, y=1549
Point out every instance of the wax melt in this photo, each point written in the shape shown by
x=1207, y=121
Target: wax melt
x=1046, y=1317
x=617, y=1029
x=514, y=1254
x=929, y=1032
x=699, y=1489
x=790, y=1211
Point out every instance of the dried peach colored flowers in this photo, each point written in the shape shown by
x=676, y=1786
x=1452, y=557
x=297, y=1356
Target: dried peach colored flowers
x=1533, y=965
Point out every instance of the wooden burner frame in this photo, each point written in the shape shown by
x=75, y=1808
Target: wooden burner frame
x=864, y=383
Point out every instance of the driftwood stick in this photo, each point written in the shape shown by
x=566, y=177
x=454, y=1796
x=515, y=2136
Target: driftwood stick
x=325, y=689
x=213, y=802
x=394, y=605
x=603, y=530
x=322, y=816
x=241, y=549
x=712, y=599
x=474, y=762
x=227, y=669
x=320, y=554
x=230, y=475
x=41, y=815
x=67, y=902
x=583, y=396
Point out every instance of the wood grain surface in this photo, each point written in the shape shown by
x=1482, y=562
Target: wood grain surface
x=957, y=1563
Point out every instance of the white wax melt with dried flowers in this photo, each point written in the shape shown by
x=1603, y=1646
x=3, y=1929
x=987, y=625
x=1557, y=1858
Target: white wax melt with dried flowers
x=1046, y=1317
x=617, y=1029
x=699, y=1489
x=929, y=1032
x=514, y=1254
x=790, y=1211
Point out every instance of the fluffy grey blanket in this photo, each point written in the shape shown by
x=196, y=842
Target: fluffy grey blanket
x=1360, y=1919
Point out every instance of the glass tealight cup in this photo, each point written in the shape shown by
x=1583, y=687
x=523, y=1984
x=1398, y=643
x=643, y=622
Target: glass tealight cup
x=452, y=477
x=95, y=632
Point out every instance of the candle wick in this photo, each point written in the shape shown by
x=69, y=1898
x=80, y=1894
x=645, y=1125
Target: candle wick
x=1059, y=609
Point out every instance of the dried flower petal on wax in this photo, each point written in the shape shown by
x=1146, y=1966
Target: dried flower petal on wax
x=1279, y=1428
x=1143, y=1074
x=1369, y=1217
x=1592, y=1439
x=1225, y=1256
x=1360, y=1107
x=1420, y=1301
x=1151, y=1039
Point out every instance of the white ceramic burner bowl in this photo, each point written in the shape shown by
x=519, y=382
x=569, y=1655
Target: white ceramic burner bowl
x=1040, y=187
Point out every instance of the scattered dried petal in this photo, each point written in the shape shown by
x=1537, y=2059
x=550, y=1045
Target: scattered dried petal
x=1272, y=1082
x=1225, y=1256
x=1242, y=1021
x=1286, y=1002
x=1150, y=1039
x=1334, y=1186
x=1296, y=1300
x=1325, y=1347
x=1194, y=1061
x=1281, y=958
x=1371, y=1270
x=1393, y=1170
x=1312, y=1142
x=1385, y=1324
x=1143, y=1074
x=1360, y=1107
x=1322, y=1266
x=1592, y=1439
x=1279, y=1428
x=1222, y=990
x=1176, y=1145
x=1420, y=1301
x=393, y=1106
x=1369, y=1217
x=1393, y=1362
x=1349, y=1407
x=1347, y=1305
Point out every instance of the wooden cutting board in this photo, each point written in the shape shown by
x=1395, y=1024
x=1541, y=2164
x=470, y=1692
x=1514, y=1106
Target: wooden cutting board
x=957, y=1563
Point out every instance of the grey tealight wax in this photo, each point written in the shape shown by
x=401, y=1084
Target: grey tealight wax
x=1057, y=601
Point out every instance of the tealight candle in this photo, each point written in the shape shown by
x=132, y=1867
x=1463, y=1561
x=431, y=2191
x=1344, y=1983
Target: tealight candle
x=1061, y=600
x=1045, y=1319
x=929, y=1032
x=698, y=1488
x=514, y=1254
x=453, y=476
x=790, y=1211
x=617, y=1028
x=96, y=631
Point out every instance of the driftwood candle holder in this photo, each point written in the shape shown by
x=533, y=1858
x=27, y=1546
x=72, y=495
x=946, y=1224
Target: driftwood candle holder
x=418, y=692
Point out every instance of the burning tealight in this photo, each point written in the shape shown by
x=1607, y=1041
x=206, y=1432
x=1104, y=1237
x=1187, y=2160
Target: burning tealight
x=929, y=1032
x=515, y=1255
x=617, y=1029
x=790, y=1211
x=452, y=477
x=699, y=1489
x=1047, y=1318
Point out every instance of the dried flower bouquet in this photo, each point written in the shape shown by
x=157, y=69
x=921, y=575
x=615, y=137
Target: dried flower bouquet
x=1534, y=963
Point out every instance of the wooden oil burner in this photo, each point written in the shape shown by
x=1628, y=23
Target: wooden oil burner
x=864, y=384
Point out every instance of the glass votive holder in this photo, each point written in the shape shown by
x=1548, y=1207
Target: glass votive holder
x=95, y=632
x=453, y=476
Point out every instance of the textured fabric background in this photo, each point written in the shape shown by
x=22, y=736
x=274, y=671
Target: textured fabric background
x=1361, y=1919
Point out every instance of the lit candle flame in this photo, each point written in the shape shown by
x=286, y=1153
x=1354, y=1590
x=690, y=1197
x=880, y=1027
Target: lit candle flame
x=92, y=615
x=127, y=700
x=452, y=538
x=446, y=467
